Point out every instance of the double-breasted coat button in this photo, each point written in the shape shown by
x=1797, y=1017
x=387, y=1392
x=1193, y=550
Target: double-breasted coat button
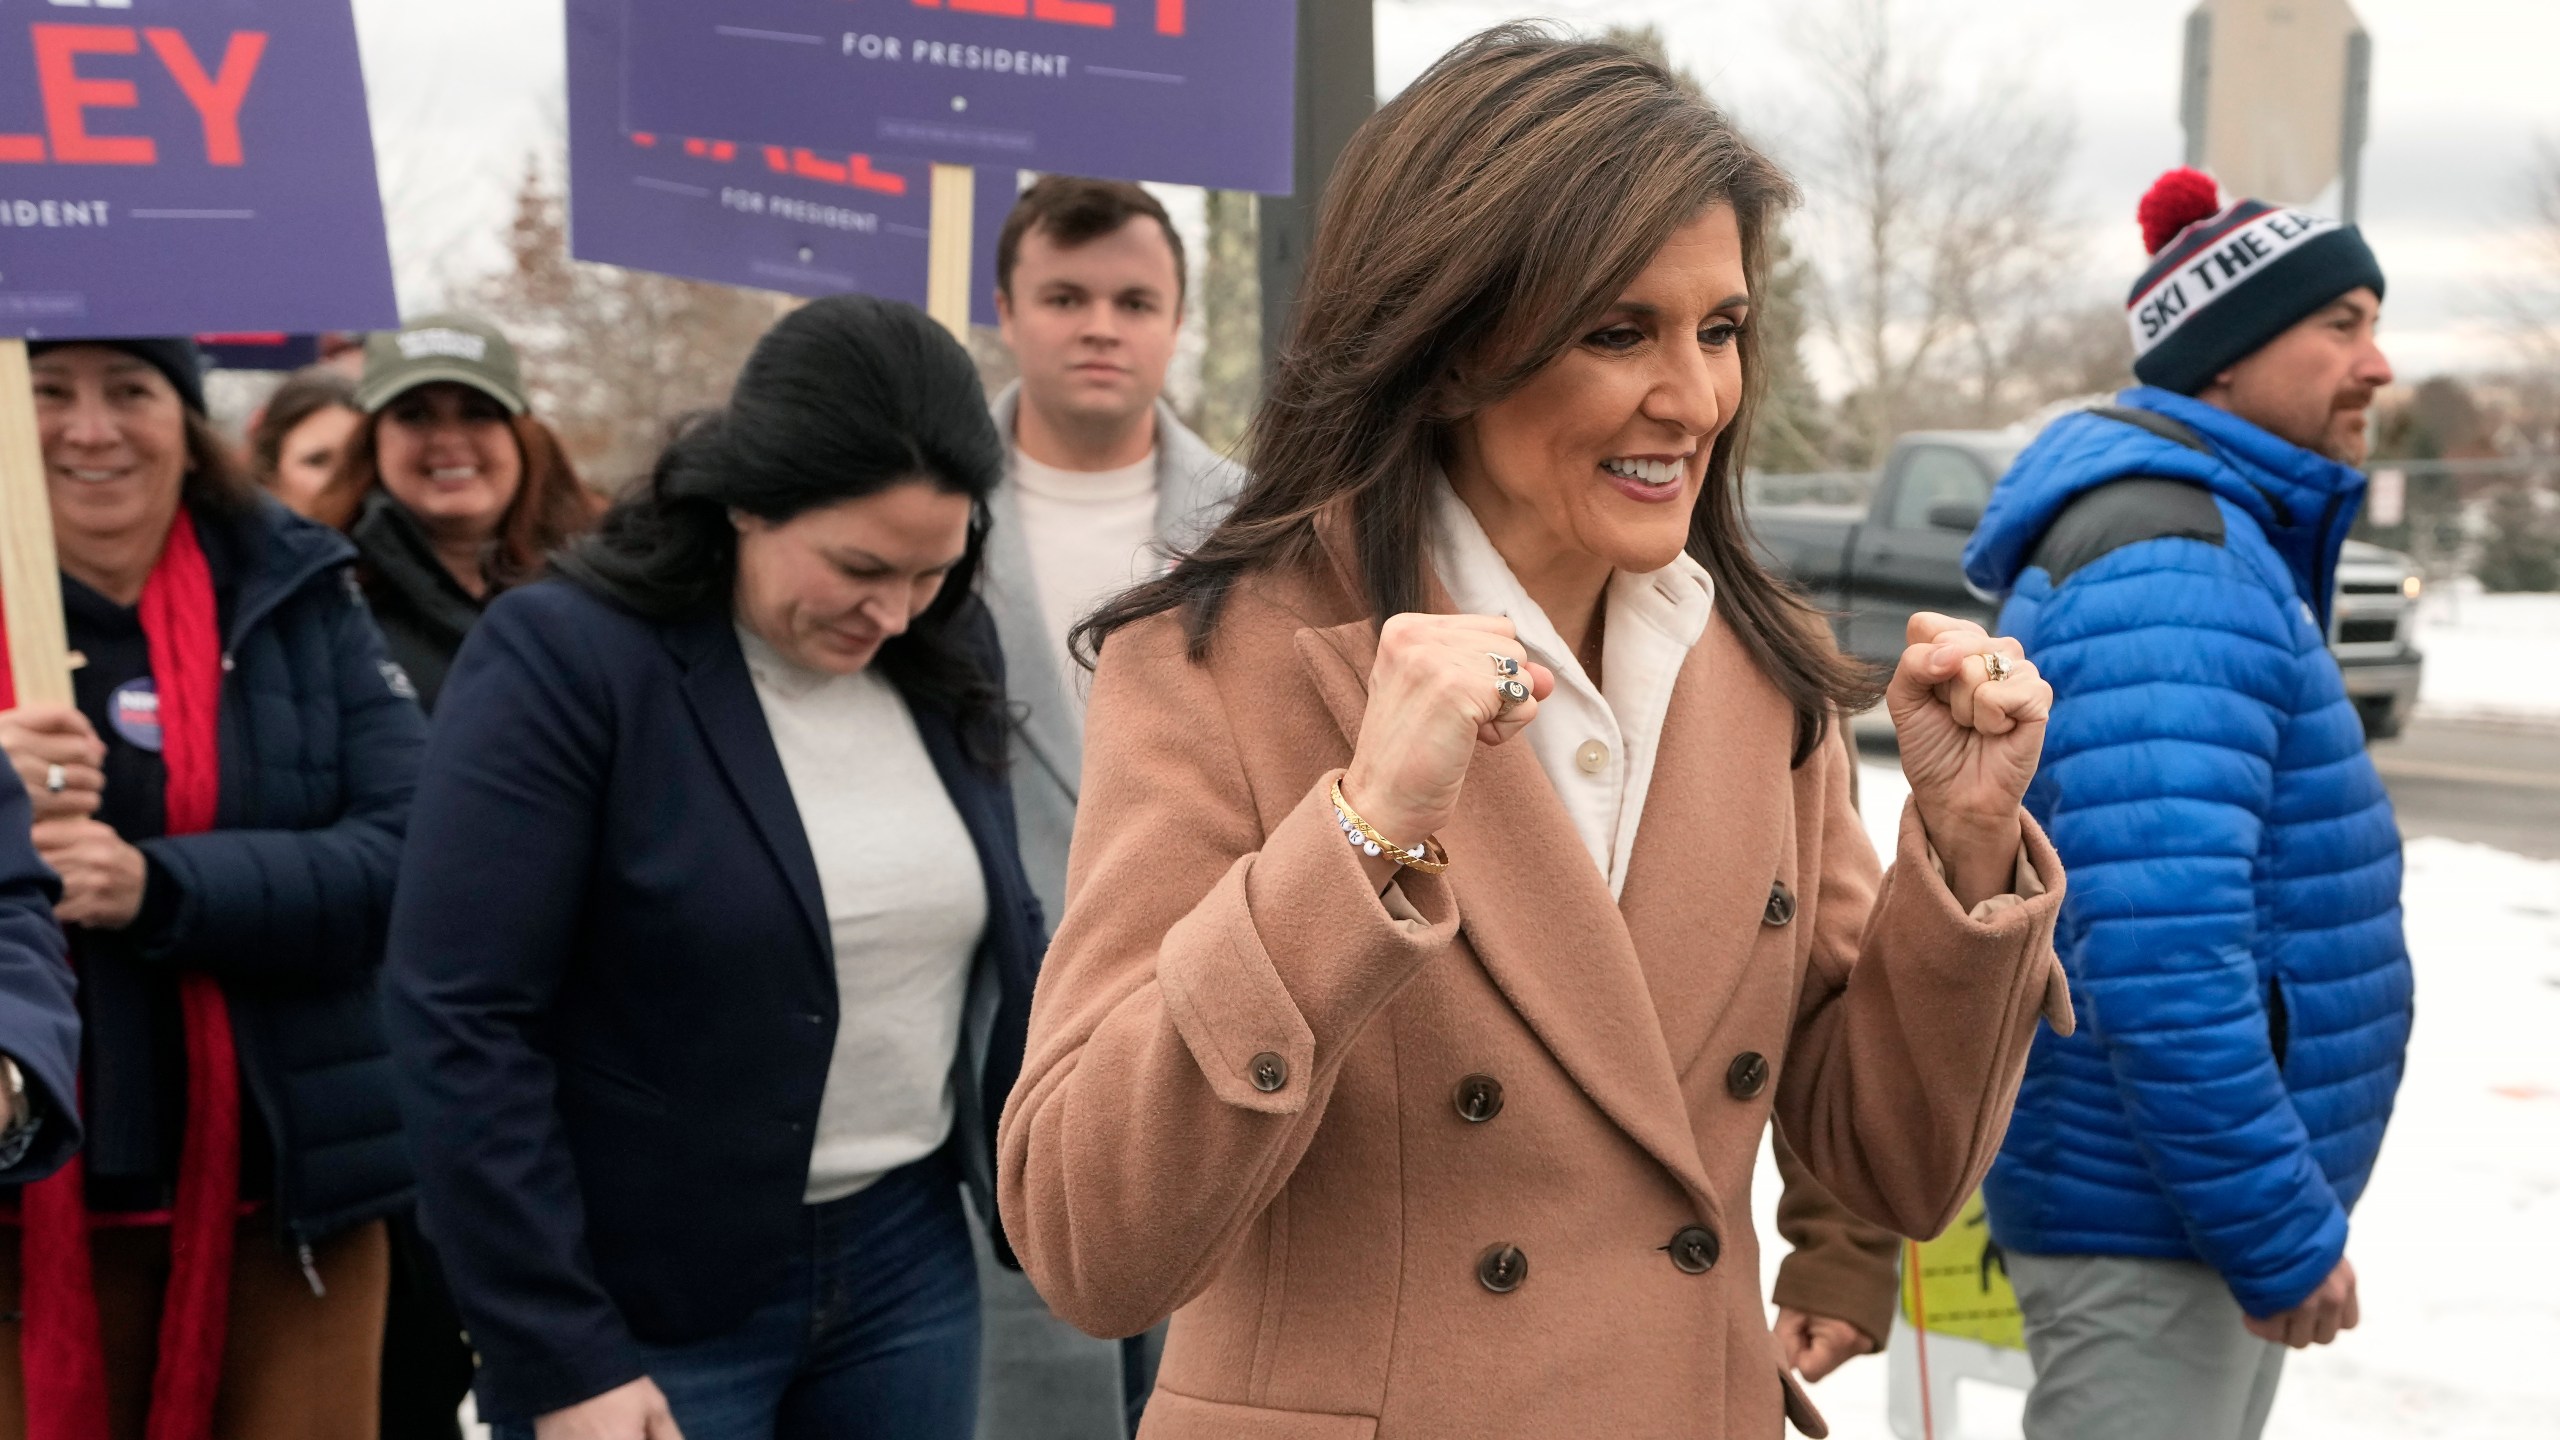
x=1782, y=904
x=1747, y=1076
x=1501, y=1268
x=1479, y=1099
x=1269, y=1072
x=1695, y=1249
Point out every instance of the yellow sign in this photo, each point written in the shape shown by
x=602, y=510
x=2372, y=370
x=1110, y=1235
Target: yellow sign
x=1958, y=1284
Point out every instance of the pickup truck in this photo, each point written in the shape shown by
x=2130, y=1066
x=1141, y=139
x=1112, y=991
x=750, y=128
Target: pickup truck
x=1904, y=551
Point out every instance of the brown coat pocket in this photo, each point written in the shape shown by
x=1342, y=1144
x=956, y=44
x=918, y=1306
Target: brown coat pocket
x=1172, y=1416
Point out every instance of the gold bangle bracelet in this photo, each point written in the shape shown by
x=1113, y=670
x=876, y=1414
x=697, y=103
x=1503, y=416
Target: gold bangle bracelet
x=1365, y=836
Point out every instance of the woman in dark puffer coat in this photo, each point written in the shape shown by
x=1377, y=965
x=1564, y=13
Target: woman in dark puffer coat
x=225, y=804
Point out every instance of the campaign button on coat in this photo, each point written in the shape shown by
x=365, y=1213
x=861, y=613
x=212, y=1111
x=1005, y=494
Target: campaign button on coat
x=1695, y=1249
x=1747, y=1076
x=1479, y=1099
x=1782, y=905
x=1270, y=1072
x=1502, y=1267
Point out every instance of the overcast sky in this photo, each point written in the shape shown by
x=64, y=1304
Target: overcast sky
x=465, y=90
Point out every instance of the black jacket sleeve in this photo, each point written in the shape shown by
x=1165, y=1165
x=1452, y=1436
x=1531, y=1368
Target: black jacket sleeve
x=306, y=907
x=491, y=891
x=39, y=1025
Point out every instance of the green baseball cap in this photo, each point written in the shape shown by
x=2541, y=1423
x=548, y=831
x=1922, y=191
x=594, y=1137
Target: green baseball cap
x=459, y=349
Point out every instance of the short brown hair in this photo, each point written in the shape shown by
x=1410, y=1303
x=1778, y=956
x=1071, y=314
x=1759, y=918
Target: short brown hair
x=1073, y=210
x=215, y=480
x=1474, y=229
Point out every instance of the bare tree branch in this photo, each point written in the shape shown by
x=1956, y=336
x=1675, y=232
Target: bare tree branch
x=1948, y=276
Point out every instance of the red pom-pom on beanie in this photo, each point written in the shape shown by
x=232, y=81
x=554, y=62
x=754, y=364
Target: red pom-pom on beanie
x=2177, y=200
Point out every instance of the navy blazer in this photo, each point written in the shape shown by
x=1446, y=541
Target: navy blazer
x=39, y=1024
x=612, y=988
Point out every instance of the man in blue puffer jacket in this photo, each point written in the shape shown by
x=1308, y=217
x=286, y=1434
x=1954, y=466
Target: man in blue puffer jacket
x=2173, y=1194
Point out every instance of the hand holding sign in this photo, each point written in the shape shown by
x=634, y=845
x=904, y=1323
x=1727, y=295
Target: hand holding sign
x=57, y=757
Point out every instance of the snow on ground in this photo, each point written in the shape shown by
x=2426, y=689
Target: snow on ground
x=2457, y=1243
x=2490, y=656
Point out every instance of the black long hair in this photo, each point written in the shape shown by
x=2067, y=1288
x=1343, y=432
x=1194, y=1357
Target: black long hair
x=843, y=398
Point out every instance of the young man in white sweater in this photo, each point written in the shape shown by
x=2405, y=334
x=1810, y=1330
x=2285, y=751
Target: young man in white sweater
x=1103, y=482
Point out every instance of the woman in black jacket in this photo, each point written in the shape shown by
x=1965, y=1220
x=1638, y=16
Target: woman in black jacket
x=713, y=952
x=450, y=487
x=224, y=805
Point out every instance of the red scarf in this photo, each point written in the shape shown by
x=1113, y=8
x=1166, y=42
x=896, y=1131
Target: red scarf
x=59, y=1348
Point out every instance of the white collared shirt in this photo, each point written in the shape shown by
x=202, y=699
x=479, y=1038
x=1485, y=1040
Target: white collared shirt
x=1597, y=743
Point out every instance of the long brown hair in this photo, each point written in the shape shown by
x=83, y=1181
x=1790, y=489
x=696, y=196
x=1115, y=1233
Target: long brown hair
x=551, y=506
x=1473, y=230
x=304, y=394
x=216, y=480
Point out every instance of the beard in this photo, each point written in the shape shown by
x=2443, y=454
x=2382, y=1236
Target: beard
x=2347, y=437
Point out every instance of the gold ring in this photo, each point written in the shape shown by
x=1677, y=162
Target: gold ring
x=1995, y=665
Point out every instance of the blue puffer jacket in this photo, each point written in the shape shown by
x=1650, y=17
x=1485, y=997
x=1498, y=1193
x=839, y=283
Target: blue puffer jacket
x=2233, y=929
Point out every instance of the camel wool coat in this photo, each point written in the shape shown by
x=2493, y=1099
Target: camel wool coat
x=1474, y=1160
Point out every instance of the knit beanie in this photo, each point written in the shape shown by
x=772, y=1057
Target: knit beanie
x=2226, y=279
x=175, y=356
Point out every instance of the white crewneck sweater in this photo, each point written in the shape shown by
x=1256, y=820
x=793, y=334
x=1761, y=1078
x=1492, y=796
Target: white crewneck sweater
x=1091, y=535
x=906, y=903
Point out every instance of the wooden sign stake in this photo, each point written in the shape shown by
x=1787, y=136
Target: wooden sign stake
x=30, y=586
x=946, y=273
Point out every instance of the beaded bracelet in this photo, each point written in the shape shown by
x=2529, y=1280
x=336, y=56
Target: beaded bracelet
x=1365, y=838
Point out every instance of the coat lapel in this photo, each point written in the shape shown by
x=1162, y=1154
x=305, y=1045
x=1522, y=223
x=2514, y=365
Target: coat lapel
x=1050, y=726
x=1721, y=787
x=722, y=696
x=974, y=794
x=1194, y=484
x=1539, y=918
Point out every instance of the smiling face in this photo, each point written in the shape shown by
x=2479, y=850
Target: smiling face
x=828, y=587
x=308, y=454
x=2314, y=384
x=114, y=436
x=1595, y=464
x=448, y=453
x=1093, y=325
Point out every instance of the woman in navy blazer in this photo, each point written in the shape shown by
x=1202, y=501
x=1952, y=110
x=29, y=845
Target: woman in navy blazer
x=618, y=960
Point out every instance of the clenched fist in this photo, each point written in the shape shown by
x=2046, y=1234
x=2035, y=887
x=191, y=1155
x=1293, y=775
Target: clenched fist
x=1433, y=699
x=1970, y=742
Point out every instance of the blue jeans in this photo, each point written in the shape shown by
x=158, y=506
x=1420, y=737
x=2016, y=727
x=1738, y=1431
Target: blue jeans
x=874, y=1335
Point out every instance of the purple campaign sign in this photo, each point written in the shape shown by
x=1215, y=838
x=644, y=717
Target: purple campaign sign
x=775, y=217
x=173, y=166
x=1197, y=92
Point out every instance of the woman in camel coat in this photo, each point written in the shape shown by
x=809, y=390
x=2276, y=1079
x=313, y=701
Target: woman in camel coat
x=1448, y=1130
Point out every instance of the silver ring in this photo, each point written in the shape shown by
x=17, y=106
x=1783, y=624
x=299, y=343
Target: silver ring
x=1503, y=664
x=1512, y=692
x=1995, y=665
x=54, y=779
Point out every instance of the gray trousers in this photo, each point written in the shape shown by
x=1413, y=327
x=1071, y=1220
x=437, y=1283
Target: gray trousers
x=2128, y=1348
